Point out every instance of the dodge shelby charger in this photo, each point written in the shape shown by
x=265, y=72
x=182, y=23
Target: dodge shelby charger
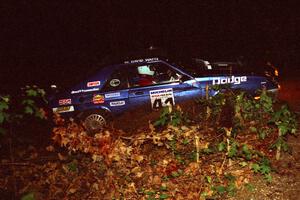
x=149, y=82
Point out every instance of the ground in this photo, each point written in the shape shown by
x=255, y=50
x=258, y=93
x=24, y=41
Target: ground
x=286, y=184
x=37, y=156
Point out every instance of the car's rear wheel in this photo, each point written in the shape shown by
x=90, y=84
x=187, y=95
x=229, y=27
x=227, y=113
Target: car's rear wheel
x=95, y=121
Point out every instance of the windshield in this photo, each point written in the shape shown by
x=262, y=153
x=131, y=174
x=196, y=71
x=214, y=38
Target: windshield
x=198, y=67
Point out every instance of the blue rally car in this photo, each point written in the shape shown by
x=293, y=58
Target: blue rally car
x=149, y=82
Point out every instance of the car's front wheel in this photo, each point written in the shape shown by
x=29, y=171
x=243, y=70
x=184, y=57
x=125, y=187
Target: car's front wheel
x=95, y=121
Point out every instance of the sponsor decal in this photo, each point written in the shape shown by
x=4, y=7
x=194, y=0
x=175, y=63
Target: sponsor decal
x=97, y=99
x=111, y=95
x=83, y=91
x=233, y=79
x=63, y=109
x=64, y=102
x=115, y=82
x=161, y=98
x=117, y=103
x=93, y=84
x=141, y=60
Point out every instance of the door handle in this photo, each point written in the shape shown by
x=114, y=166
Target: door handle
x=139, y=93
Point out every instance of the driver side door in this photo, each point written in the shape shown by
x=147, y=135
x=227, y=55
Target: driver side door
x=166, y=89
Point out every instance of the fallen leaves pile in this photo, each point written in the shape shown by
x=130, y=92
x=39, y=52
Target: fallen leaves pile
x=185, y=162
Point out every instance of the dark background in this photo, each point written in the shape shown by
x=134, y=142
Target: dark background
x=44, y=42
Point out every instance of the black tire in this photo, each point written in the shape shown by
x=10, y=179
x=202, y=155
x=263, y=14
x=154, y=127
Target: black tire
x=95, y=121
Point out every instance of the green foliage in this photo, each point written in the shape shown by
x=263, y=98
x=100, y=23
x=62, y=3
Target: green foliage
x=13, y=109
x=233, y=149
x=172, y=145
x=72, y=166
x=170, y=116
x=221, y=146
x=230, y=177
x=163, y=188
x=216, y=104
x=163, y=119
x=29, y=102
x=152, y=194
x=185, y=141
x=192, y=156
x=247, y=152
x=228, y=186
x=261, y=117
x=208, y=150
x=219, y=189
x=4, y=115
x=249, y=109
x=2, y=131
x=163, y=196
x=208, y=179
x=243, y=164
x=179, y=158
x=28, y=196
x=229, y=189
x=285, y=121
x=34, y=91
x=280, y=142
x=175, y=174
x=4, y=100
x=263, y=167
x=249, y=187
x=4, y=106
x=258, y=119
x=253, y=129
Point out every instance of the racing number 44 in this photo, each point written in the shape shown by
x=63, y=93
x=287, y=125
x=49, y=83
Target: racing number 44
x=161, y=98
x=158, y=103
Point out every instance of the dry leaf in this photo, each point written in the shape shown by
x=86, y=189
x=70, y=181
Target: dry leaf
x=192, y=168
x=136, y=170
x=188, y=133
x=97, y=158
x=50, y=148
x=151, y=127
x=95, y=186
x=238, y=172
x=33, y=155
x=61, y=157
x=156, y=180
x=169, y=136
x=156, y=140
x=72, y=190
x=139, y=174
x=138, y=158
x=131, y=188
x=203, y=145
